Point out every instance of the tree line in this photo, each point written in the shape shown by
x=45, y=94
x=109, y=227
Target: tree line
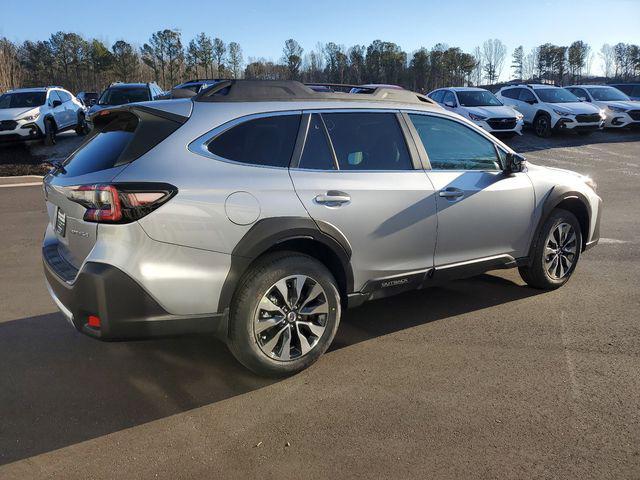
x=77, y=63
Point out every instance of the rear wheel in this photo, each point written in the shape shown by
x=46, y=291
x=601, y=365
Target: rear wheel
x=284, y=315
x=556, y=253
x=542, y=125
x=49, y=132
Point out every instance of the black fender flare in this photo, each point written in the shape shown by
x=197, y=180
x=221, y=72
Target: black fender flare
x=555, y=197
x=47, y=117
x=268, y=233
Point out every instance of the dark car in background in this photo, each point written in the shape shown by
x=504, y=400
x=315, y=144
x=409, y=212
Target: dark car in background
x=190, y=88
x=122, y=93
x=632, y=90
x=88, y=99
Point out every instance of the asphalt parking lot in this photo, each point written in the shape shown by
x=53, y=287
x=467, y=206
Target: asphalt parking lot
x=482, y=378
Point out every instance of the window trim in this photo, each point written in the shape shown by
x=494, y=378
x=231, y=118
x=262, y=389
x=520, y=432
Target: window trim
x=427, y=164
x=298, y=150
x=200, y=145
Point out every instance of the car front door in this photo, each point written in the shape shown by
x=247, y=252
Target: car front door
x=58, y=111
x=527, y=104
x=358, y=174
x=484, y=214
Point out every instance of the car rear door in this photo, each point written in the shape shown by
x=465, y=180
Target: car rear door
x=357, y=174
x=484, y=215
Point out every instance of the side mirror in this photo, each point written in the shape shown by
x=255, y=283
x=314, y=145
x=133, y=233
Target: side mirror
x=514, y=163
x=531, y=102
x=56, y=103
x=450, y=104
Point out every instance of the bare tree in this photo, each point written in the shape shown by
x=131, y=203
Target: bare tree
x=478, y=71
x=493, y=53
x=11, y=72
x=607, y=55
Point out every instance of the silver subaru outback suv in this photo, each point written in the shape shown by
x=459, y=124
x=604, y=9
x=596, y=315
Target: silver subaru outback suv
x=260, y=210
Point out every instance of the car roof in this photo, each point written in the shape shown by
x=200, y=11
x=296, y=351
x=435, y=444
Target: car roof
x=128, y=85
x=293, y=91
x=468, y=89
x=34, y=89
x=589, y=86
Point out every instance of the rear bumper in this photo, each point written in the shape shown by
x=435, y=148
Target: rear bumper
x=125, y=309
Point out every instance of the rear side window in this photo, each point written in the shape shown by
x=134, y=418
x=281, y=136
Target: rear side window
x=317, y=154
x=103, y=150
x=266, y=141
x=367, y=141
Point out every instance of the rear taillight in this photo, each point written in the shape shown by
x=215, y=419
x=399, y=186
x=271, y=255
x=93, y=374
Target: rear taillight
x=119, y=203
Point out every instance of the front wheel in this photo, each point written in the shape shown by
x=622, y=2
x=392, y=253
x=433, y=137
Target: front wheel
x=556, y=253
x=49, y=133
x=284, y=314
x=542, y=125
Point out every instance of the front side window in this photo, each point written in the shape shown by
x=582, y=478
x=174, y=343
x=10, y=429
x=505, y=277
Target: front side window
x=53, y=96
x=22, y=99
x=64, y=96
x=266, y=141
x=510, y=93
x=437, y=96
x=451, y=145
x=449, y=99
x=367, y=141
x=526, y=96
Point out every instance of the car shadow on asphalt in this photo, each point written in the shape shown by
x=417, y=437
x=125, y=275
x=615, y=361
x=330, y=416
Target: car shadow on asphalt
x=59, y=387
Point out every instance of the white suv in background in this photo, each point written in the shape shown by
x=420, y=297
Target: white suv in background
x=30, y=113
x=620, y=110
x=548, y=108
x=481, y=107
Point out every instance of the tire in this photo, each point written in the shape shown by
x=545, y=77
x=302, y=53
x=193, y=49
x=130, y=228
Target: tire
x=81, y=127
x=542, y=125
x=258, y=337
x=49, y=133
x=560, y=229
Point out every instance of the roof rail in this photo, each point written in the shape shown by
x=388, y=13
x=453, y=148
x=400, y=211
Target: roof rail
x=291, y=90
x=204, y=80
x=54, y=86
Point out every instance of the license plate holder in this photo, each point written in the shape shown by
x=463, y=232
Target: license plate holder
x=61, y=222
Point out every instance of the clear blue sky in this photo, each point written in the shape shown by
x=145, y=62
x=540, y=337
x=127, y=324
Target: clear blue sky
x=261, y=27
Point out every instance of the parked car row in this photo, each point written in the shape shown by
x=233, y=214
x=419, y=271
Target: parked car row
x=547, y=108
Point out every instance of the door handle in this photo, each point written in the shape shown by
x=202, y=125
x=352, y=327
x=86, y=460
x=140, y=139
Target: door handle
x=451, y=193
x=333, y=198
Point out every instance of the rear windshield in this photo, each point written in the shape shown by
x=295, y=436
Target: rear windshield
x=104, y=148
x=120, y=96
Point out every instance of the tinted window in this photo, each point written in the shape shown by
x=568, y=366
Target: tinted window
x=525, y=95
x=53, y=96
x=449, y=97
x=104, y=149
x=262, y=141
x=453, y=146
x=317, y=154
x=510, y=93
x=120, y=95
x=437, y=96
x=22, y=99
x=368, y=141
x=625, y=88
x=477, y=98
x=556, y=95
x=605, y=94
x=64, y=96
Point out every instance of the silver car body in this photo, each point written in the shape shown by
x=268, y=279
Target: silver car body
x=397, y=225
